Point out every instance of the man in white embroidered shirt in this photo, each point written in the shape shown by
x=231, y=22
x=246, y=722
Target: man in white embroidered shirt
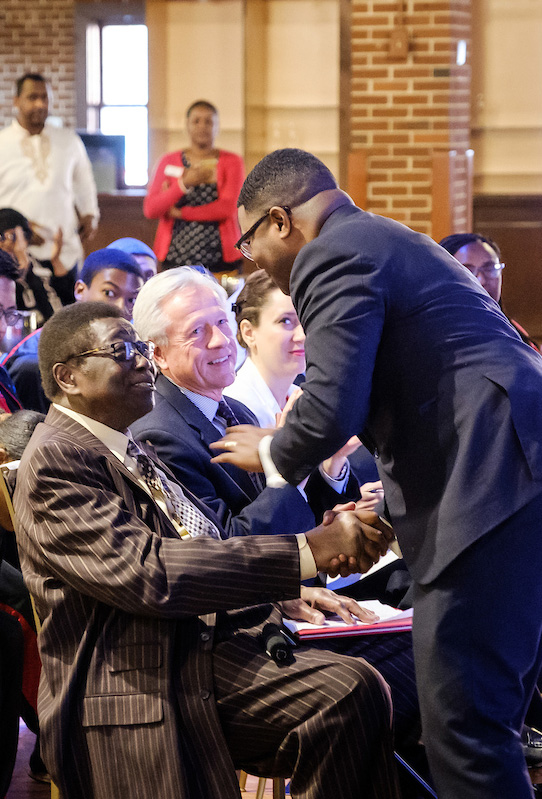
x=46, y=175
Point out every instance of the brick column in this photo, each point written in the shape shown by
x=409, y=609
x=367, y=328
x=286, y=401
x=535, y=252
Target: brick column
x=410, y=100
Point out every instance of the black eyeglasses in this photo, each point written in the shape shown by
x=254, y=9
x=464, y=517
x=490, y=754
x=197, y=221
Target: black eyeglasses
x=11, y=316
x=244, y=245
x=121, y=351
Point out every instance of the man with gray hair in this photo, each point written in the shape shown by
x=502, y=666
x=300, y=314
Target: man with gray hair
x=184, y=313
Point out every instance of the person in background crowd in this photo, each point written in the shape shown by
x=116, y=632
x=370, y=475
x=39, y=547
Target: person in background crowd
x=37, y=288
x=269, y=330
x=9, y=315
x=482, y=257
x=108, y=275
x=193, y=193
x=18, y=680
x=46, y=175
x=141, y=252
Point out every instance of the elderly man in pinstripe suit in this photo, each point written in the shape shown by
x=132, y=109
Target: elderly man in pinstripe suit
x=155, y=679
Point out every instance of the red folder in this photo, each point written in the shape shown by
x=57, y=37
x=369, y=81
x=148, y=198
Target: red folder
x=337, y=628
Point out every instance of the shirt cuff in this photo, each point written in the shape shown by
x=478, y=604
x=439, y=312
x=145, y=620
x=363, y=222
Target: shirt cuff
x=338, y=484
x=307, y=564
x=273, y=478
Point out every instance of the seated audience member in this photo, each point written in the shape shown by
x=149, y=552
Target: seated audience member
x=108, y=275
x=268, y=328
x=142, y=253
x=11, y=677
x=8, y=316
x=15, y=432
x=482, y=257
x=38, y=289
x=140, y=693
x=270, y=332
x=183, y=313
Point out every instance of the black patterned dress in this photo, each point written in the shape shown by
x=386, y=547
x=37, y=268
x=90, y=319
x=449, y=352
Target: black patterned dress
x=196, y=242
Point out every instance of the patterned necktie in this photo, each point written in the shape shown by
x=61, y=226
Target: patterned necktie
x=225, y=412
x=183, y=511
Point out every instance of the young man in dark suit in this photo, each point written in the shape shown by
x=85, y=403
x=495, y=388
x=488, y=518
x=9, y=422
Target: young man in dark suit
x=405, y=348
x=155, y=675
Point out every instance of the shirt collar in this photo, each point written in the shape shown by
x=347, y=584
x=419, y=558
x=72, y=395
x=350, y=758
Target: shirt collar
x=206, y=405
x=114, y=440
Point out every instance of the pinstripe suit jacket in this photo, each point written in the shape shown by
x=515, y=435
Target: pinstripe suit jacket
x=124, y=642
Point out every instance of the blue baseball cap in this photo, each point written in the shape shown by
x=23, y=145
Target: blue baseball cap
x=133, y=247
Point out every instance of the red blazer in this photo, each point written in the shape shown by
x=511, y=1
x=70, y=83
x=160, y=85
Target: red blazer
x=164, y=191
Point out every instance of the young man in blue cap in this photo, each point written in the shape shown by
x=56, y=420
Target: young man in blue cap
x=108, y=275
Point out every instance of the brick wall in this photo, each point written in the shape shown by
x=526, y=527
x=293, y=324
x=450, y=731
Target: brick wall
x=38, y=36
x=403, y=109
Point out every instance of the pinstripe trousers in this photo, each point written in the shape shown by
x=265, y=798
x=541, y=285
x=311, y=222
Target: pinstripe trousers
x=323, y=720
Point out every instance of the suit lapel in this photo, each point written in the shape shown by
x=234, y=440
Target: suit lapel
x=85, y=438
x=206, y=432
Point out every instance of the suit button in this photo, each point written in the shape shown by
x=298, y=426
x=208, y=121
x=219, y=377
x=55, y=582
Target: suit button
x=205, y=637
x=204, y=694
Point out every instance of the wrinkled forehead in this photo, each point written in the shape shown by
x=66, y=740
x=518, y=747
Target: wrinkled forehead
x=476, y=253
x=190, y=306
x=110, y=329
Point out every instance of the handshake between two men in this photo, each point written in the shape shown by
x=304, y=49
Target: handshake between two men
x=349, y=540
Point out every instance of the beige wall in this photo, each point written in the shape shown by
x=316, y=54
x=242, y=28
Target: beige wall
x=287, y=93
x=303, y=77
x=507, y=96
x=195, y=52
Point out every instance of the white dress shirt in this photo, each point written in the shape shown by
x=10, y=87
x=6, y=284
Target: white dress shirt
x=251, y=389
x=45, y=177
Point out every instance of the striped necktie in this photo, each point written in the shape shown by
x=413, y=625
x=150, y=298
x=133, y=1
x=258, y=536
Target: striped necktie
x=225, y=412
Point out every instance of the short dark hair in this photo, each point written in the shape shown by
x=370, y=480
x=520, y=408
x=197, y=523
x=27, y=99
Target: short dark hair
x=108, y=258
x=204, y=104
x=10, y=219
x=251, y=299
x=19, y=83
x=284, y=177
x=8, y=266
x=67, y=333
x=454, y=242
x=15, y=431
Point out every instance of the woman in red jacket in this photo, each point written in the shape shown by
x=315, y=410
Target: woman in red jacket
x=194, y=195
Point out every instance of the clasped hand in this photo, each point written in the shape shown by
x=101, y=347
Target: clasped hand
x=349, y=540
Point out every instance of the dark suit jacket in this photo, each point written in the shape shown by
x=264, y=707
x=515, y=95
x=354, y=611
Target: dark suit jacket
x=181, y=435
x=123, y=642
x=404, y=344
